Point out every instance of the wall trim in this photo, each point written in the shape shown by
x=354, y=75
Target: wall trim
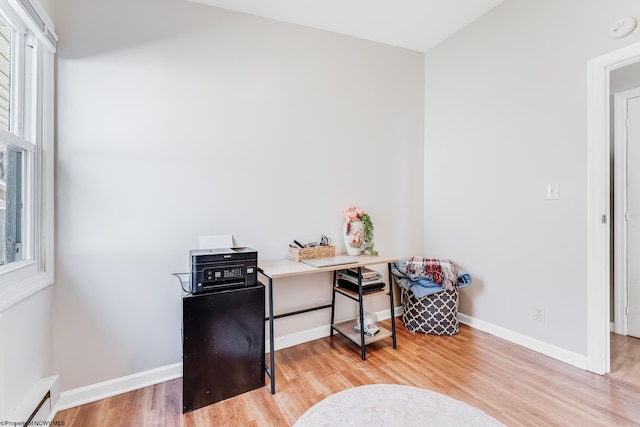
x=102, y=390
x=91, y=393
x=22, y=290
x=574, y=359
x=94, y=392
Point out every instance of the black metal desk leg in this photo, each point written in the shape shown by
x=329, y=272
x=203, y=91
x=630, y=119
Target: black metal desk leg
x=333, y=302
x=393, y=317
x=361, y=303
x=272, y=359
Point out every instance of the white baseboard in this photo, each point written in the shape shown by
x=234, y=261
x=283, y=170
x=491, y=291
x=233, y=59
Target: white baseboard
x=94, y=392
x=102, y=390
x=577, y=360
x=298, y=338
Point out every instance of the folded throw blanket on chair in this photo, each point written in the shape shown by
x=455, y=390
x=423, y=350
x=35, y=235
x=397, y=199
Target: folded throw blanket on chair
x=441, y=272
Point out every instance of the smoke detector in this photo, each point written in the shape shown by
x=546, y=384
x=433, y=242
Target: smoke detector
x=622, y=28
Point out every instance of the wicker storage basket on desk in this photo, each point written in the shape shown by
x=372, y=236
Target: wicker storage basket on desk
x=298, y=254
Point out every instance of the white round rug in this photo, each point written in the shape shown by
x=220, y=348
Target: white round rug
x=392, y=405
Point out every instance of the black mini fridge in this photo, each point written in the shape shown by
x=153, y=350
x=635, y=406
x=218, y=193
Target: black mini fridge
x=223, y=349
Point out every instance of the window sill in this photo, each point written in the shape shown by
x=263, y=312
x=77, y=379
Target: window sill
x=16, y=292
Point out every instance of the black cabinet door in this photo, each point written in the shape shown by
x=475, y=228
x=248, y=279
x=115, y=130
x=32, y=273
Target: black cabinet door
x=223, y=345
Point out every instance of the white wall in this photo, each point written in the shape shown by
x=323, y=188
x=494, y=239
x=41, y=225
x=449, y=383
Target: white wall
x=25, y=348
x=176, y=120
x=505, y=116
x=48, y=6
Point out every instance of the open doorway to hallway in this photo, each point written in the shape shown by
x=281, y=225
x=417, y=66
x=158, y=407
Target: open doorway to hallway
x=625, y=182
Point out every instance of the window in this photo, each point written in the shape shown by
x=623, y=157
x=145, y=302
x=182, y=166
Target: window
x=27, y=45
x=5, y=75
x=10, y=204
x=11, y=166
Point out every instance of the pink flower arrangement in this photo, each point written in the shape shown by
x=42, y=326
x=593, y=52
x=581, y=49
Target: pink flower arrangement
x=352, y=213
x=359, y=236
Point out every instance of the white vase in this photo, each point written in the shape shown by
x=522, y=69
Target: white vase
x=353, y=237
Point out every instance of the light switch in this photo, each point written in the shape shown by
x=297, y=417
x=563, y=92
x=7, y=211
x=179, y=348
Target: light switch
x=552, y=192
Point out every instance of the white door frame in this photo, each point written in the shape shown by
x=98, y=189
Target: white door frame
x=620, y=209
x=598, y=199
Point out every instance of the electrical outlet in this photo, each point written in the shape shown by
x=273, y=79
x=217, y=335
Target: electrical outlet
x=320, y=301
x=552, y=192
x=538, y=314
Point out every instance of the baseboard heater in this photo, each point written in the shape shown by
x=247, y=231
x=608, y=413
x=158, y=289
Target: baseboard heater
x=38, y=403
x=39, y=408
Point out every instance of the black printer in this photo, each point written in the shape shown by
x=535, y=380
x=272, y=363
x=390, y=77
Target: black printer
x=220, y=269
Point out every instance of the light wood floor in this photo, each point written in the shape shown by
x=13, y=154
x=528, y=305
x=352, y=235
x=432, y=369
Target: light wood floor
x=625, y=358
x=515, y=385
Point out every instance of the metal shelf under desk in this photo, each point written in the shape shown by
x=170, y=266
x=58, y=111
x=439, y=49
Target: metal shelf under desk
x=347, y=328
x=285, y=268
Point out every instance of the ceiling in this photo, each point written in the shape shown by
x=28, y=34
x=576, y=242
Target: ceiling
x=412, y=24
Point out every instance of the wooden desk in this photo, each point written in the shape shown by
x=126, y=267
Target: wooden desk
x=285, y=268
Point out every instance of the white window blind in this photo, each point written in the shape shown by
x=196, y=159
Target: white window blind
x=5, y=75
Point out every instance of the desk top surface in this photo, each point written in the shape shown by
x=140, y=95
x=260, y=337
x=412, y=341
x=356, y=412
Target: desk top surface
x=286, y=267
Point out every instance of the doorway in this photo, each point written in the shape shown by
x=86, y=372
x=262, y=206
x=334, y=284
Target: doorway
x=598, y=204
x=625, y=337
x=626, y=209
